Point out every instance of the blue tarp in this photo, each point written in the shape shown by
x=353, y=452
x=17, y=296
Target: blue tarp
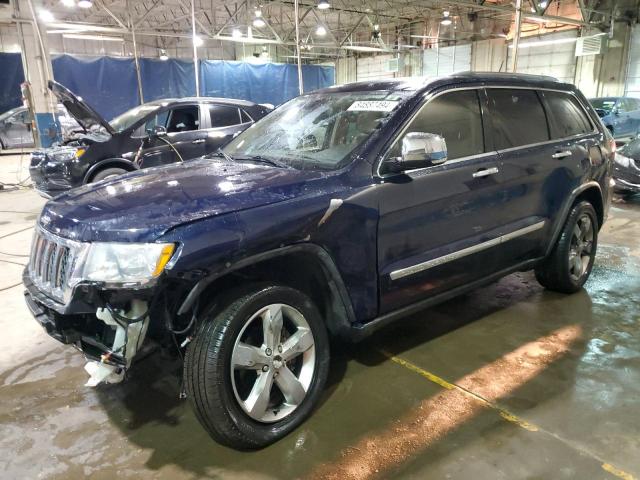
x=12, y=77
x=109, y=84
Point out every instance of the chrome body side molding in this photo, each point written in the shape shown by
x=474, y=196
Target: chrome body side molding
x=420, y=267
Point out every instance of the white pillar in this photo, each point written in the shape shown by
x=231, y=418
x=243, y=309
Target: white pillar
x=37, y=69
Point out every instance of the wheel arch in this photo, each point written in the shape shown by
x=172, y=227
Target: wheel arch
x=305, y=267
x=108, y=163
x=589, y=191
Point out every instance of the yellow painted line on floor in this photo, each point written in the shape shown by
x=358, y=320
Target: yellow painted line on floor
x=617, y=472
x=508, y=416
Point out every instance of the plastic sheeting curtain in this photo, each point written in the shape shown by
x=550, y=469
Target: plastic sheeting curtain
x=12, y=77
x=109, y=85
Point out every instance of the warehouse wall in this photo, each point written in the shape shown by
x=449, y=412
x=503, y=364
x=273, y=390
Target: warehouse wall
x=557, y=60
x=632, y=87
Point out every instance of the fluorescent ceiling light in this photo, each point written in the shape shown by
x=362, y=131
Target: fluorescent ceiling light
x=258, y=13
x=324, y=4
x=198, y=41
x=85, y=4
x=258, y=23
x=363, y=48
x=68, y=3
x=236, y=33
x=46, y=16
x=543, y=43
x=103, y=38
x=321, y=31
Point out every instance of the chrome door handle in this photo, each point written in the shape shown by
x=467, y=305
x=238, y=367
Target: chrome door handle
x=200, y=140
x=485, y=172
x=566, y=153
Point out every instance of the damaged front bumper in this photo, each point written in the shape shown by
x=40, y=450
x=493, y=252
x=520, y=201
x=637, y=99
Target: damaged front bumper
x=109, y=337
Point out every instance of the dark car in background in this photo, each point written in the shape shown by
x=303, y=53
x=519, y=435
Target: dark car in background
x=16, y=127
x=621, y=115
x=343, y=210
x=626, y=168
x=153, y=134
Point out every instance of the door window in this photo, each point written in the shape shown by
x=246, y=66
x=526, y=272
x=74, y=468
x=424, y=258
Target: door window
x=455, y=117
x=184, y=119
x=517, y=117
x=224, y=116
x=568, y=116
x=245, y=117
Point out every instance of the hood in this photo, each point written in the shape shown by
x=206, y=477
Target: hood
x=143, y=205
x=86, y=116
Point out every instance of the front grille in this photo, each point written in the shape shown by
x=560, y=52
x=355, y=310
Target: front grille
x=51, y=264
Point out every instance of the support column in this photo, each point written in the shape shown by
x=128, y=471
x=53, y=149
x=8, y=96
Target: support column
x=38, y=70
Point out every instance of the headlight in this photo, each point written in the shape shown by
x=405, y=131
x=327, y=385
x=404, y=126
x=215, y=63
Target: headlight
x=63, y=154
x=126, y=262
x=622, y=160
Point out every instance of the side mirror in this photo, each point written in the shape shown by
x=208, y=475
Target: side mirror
x=419, y=150
x=157, y=131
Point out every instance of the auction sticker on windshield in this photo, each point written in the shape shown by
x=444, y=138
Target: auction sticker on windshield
x=372, y=106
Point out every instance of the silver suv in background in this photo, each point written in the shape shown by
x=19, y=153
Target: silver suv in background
x=16, y=127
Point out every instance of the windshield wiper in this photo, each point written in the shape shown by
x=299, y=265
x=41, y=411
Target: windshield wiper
x=221, y=153
x=260, y=159
x=249, y=158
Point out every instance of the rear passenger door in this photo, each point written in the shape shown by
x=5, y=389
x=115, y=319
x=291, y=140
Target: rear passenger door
x=540, y=157
x=225, y=122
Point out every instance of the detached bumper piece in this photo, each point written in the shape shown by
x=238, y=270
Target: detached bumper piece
x=108, y=343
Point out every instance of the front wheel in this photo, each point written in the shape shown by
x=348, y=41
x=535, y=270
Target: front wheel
x=108, y=173
x=569, y=265
x=256, y=369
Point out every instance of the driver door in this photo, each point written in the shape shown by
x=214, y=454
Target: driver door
x=439, y=226
x=183, y=134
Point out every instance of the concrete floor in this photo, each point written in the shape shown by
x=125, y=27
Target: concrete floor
x=508, y=382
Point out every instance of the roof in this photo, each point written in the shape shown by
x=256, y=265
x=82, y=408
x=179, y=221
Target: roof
x=423, y=83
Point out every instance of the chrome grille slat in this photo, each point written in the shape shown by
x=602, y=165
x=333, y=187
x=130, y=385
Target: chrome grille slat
x=52, y=262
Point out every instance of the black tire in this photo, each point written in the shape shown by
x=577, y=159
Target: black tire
x=555, y=273
x=208, y=369
x=106, y=173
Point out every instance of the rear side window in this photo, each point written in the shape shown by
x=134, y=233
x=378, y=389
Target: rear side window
x=455, y=117
x=568, y=116
x=518, y=118
x=224, y=116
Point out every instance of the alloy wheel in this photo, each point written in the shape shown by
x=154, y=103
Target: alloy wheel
x=273, y=363
x=581, y=247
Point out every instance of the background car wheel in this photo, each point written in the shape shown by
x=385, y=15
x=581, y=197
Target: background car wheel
x=108, y=173
x=569, y=265
x=256, y=369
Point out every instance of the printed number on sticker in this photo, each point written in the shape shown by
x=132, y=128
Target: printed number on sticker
x=373, y=106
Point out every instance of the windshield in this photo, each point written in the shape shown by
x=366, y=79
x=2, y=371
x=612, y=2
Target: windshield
x=317, y=131
x=130, y=117
x=604, y=104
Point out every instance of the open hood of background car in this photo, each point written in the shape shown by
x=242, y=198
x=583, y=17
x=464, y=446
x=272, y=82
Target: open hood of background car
x=86, y=116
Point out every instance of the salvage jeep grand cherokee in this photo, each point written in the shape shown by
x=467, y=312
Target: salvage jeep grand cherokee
x=341, y=211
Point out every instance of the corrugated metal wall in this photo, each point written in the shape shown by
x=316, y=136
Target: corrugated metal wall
x=446, y=60
x=632, y=86
x=557, y=60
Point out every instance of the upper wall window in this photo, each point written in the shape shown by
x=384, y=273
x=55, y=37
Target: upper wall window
x=568, y=117
x=518, y=118
x=455, y=117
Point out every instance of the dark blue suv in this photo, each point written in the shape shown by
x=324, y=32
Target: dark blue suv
x=341, y=211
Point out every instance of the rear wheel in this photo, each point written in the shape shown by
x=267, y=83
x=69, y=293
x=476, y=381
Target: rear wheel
x=569, y=265
x=108, y=173
x=256, y=369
